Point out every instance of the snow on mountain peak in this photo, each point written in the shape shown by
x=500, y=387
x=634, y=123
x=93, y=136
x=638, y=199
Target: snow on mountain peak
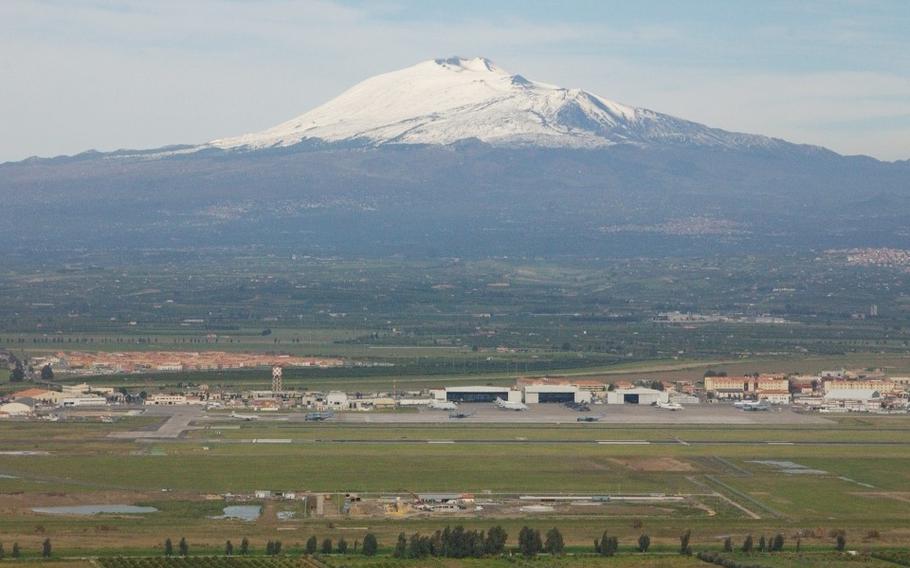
x=443, y=101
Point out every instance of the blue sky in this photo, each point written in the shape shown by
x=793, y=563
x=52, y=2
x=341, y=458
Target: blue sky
x=101, y=74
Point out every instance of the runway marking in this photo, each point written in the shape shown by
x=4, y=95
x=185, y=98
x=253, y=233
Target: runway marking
x=779, y=443
x=623, y=442
x=440, y=441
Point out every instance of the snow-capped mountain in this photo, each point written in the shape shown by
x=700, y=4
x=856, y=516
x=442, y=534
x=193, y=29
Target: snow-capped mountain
x=444, y=101
x=380, y=171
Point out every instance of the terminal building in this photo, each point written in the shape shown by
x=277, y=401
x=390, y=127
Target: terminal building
x=637, y=395
x=476, y=394
x=528, y=394
x=538, y=394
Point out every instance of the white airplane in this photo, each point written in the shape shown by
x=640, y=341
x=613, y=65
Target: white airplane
x=752, y=405
x=443, y=405
x=669, y=406
x=247, y=417
x=506, y=405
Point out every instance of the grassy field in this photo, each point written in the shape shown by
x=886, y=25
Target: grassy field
x=860, y=488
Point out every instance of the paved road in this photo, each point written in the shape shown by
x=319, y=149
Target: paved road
x=178, y=420
x=606, y=414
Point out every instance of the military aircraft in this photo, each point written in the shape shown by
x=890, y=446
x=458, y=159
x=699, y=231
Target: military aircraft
x=247, y=417
x=460, y=414
x=318, y=416
x=506, y=405
x=752, y=405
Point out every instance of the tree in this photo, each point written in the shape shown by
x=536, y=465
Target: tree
x=841, y=543
x=342, y=547
x=228, y=549
x=326, y=546
x=607, y=545
x=245, y=546
x=311, y=545
x=798, y=543
x=168, y=548
x=495, y=540
x=554, y=544
x=777, y=543
x=728, y=544
x=370, y=545
x=46, y=548
x=684, y=547
x=47, y=373
x=276, y=547
x=644, y=543
x=16, y=553
x=761, y=543
x=529, y=542
x=17, y=375
x=270, y=548
x=2, y=552
x=401, y=547
x=183, y=547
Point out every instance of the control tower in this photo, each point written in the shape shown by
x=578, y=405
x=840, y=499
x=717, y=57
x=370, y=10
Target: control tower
x=277, y=385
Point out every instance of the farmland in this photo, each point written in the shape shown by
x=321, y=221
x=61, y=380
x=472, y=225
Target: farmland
x=418, y=324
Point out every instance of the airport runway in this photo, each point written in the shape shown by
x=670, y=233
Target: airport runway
x=178, y=420
x=606, y=414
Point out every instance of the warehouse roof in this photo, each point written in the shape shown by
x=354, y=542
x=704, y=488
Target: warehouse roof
x=853, y=394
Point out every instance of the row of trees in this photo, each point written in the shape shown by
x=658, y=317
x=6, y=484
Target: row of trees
x=273, y=547
x=16, y=551
x=452, y=543
x=369, y=547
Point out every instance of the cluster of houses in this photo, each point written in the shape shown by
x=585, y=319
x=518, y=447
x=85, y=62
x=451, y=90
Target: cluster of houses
x=828, y=391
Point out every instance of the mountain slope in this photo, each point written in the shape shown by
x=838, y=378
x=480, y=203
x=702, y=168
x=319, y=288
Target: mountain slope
x=450, y=100
x=459, y=158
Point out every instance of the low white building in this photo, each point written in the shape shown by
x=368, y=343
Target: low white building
x=860, y=400
x=14, y=409
x=337, y=400
x=83, y=401
x=637, y=395
x=166, y=400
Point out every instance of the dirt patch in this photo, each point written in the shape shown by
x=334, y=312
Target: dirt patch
x=22, y=503
x=654, y=464
x=893, y=495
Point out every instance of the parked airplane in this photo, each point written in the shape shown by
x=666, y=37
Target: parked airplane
x=247, y=417
x=669, y=406
x=752, y=405
x=506, y=405
x=587, y=419
x=442, y=405
x=460, y=414
x=318, y=416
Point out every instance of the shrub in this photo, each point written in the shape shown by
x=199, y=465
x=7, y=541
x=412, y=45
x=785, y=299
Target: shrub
x=370, y=545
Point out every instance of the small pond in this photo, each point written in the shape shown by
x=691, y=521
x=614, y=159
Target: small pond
x=241, y=512
x=95, y=510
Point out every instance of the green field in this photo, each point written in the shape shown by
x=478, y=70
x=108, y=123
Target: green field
x=859, y=489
